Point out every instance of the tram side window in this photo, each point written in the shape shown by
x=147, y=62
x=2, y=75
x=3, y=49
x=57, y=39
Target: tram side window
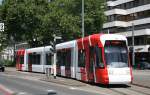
x=99, y=61
x=68, y=58
x=30, y=59
x=59, y=58
x=34, y=58
x=91, y=59
x=63, y=58
x=48, y=59
x=81, y=58
x=38, y=57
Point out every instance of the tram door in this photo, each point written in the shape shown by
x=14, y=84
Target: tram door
x=68, y=62
x=91, y=66
x=30, y=62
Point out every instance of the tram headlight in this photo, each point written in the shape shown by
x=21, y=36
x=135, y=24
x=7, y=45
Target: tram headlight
x=111, y=72
x=128, y=72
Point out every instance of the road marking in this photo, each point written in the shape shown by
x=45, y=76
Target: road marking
x=22, y=93
x=73, y=88
x=24, y=72
x=51, y=92
x=6, y=90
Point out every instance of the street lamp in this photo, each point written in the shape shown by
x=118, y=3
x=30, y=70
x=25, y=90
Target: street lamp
x=34, y=42
x=133, y=30
x=54, y=48
x=34, y=39
x=133, y=52
x=14, y=48
x=83, y=18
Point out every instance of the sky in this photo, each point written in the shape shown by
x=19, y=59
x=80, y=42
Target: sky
x=0, y=1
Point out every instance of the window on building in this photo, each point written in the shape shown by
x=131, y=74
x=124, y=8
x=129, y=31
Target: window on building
x=136, y=3
x=148, y=40
x=129, y=41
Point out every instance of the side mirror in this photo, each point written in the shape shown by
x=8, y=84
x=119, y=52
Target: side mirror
x=101, y=66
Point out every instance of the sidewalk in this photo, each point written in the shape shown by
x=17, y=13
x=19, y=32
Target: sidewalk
x=40, y=76
x=64, y=81
x=141, y=78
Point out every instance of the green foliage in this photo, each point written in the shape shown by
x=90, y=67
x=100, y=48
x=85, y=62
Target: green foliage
x=94, y=16
x=26, y=20
x=8, y=63
x=23, y=18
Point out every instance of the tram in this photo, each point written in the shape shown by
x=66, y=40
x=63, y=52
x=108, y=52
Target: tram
x=20, y=59
x=34, y=59
x=98, y=58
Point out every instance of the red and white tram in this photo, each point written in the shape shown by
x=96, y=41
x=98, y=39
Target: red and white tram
x=34, y=59
x=20, y=59
x=99, y=58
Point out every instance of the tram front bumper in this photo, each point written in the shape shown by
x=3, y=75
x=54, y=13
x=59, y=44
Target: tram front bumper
x=122, y=79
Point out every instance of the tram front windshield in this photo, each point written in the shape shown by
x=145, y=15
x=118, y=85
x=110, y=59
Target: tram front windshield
x=116, y=54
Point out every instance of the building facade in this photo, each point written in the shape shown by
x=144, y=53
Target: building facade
x=125, y=16
x=8, y=52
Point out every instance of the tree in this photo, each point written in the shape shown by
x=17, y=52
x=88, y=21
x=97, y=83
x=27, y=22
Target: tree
x=37, y=20
x=94, y=16
x=66, y=16
x=23, y=18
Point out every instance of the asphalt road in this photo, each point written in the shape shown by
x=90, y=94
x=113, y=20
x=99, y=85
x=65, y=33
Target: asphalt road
x=26, y=83
x=28, y=87
x=142, y=77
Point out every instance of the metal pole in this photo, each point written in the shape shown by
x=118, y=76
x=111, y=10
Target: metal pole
x=82, y=18
x=54, y=65
x=14, y=49
x=108, y=31
x=44, y=61
x=133, y=52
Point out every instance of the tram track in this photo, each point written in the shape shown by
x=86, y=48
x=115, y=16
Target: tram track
x=141, y=85
x=131, y=90
x=118, y=92
x=122, y=92
x=140, y=92
x=141, y=88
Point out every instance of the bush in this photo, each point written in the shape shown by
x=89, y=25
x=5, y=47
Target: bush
x=9, y=63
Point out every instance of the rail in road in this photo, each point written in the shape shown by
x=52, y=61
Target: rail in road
x=128, y=89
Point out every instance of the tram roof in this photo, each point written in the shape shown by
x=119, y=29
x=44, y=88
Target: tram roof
x=39, y=49
x=69, y=44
